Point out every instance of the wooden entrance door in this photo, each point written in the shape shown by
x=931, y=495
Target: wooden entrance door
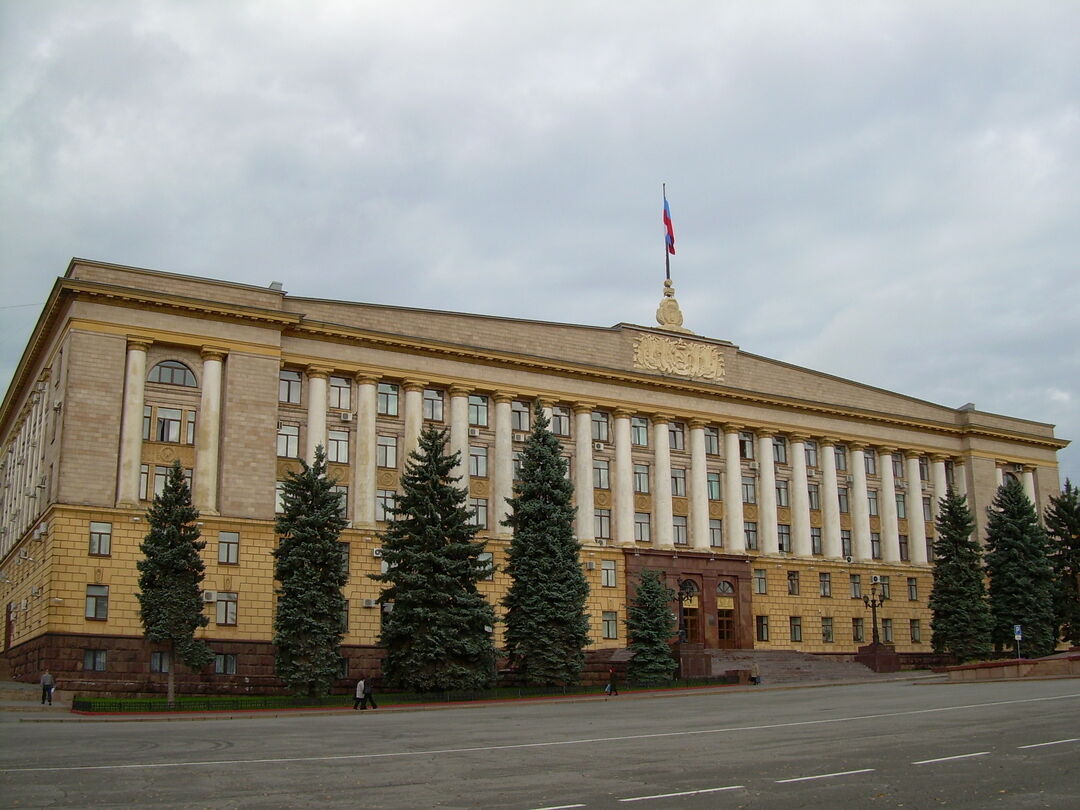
x=727, y=619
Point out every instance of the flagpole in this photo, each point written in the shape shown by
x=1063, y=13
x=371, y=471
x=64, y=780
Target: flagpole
x=667, y=253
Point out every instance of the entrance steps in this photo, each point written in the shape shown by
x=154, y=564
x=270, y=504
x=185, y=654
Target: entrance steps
x=790, y=666
x=16, y=696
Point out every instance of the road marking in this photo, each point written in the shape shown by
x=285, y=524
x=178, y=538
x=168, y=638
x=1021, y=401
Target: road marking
x=1055, y=742
x=559, y=807
x=823, y=776
x=946, y=759
x=684, y=793
x=520, y=746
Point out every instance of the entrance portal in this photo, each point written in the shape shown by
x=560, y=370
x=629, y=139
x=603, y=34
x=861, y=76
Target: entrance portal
x=726, y=618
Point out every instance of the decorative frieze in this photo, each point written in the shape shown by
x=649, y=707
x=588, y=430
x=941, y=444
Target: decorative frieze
x=680, y=357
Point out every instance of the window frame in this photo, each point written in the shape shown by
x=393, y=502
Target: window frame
x=225, y=608
x=387, y=399
x=97, y=538
x=97, y=603
x=230, y=550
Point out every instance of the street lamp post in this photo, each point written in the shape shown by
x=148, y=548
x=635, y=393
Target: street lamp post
x=874, y=601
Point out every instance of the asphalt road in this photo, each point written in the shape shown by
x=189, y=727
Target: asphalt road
x=914, y=745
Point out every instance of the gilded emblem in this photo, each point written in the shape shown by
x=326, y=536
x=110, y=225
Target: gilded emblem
x=679, y=357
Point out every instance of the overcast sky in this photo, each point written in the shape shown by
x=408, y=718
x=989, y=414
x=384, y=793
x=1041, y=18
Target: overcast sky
x=888, y=192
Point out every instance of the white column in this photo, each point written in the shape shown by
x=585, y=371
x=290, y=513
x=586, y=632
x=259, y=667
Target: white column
x=831, y=543
x=503, y=487
x=734, y=535
x=624, y=479
x=583, y=472
x=915, y=521
x=364, y=457
x=459, y=431
x=1029, y=485
x=127, y=484
x=767, y=494
x=414, y=415
x=316, y=410
x=208, y=433
x=546, y=406
x=699, y=487
x=890, y=533
x=800, y=499
x=665, y=530
x=937, y=475
x=960, y=476
x=860, y=504
x=999, y=475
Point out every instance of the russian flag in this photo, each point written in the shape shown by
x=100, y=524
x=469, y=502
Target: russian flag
x=668, y=228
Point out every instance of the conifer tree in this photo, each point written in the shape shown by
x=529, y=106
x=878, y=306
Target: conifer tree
x=308, y=567
x=547, y=628
x=438, y=635
x=650, y=626
x=1021, y=575
x=1063, y=525
x=961, y=615
x=171, y=575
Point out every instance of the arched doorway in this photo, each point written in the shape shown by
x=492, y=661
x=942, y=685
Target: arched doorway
x=689, y=612
x=727, y=619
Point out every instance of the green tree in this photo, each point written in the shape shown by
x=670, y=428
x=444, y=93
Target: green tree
x=961, y=615
x=171, y=575
x=308, y=565
x=650, y=625
x=1063, y=525
x=547, y=628
x=438, y=635
x=1021, y=576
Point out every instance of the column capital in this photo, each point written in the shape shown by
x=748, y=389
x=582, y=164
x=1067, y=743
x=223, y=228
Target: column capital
x=733, y=427
x=939, y=458
x=956, y=460
x=916, y=454
x=622, y=413
x=765, y=433
x=832, y=441
x=366, y=377
x=318, y=371
x=139, y=343
x=213, y=353
x=503, y=396
x=657, y=418
x=545, y=402
x=885, y=450
x=697, y=422
x=584, y=406
x=1028, y=468
x=457, y=390
x=413, y=385
x=798, y=437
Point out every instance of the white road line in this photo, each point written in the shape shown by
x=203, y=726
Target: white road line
x=946, y=759
x=559, y=807
x=823, y=776
x=518, y=746
x=684, y=793
x=1055, y=742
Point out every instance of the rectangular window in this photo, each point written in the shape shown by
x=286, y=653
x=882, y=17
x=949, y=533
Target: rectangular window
x=228, y=548
x=886, y=631
x=519, y=416
x=337, y=446
x=678, y=482
x=810, y=449
x=386, y=400
x=856, y=585
x=782, y=494
x=905, y=553
x=677, y=436
x=716, y=533
x=642, y=528
x=486, y=561
x=871, y=501
x=607, y=574
x=927, y=509
x=600, y=427
x=897, y=465
x=913, y=589
x=857, y=634
x=147, y=421
x=826, y=630
x=875, y=545
x=601, y=473
x=94, y=660
x=224, y=664
x=749, y=489
x=750, y=534
x=924, y=468
x=159, y=662
x=641, y=478
x=340, y=393
x=478, y=410
x=433, y=405
x=100, y=539
x=901, y=505
x=712, y=441
x=761, y=628
x=761, y=582
x=343, y=499
x=813, y=495
x=845, y=542
x=602, y=523
x=783, y=537
x=825, y=585
x=712, y=485
x=97, y=602
x=870, y=462
x=289, y=387
x=793, y=583
x=279, y=497
x=915, y=628
x=168, y=425
x=679, y=530
x=795, y=626
x=840, y=453
x=815, y=540
x=560, y=420
x=226, y=607
x=842, y=498
x=746, y=445
x=611, y=624
x=478, y=461
x=288, y=441
x=885, y=592
x=639, y=431
x=386, y=451
x=779, y=449
x=479, y=516
x=384, y=504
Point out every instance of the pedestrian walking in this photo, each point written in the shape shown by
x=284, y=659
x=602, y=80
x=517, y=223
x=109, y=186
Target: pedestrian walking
x=48, y=684
x=611, y=688
x=369, y=694
x=359, y=694
x=755, y=674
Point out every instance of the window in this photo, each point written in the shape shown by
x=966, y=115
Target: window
x=386, y=451
x=478, y=461
x=856, y=585
x=224, y=664
x=519, y=416
x=897, y=465
x=279, y=497
x=93, y=660
x=915, y=628
x=289, y=387
x=927, y=513
x=783, y=537
x=611, y=624
x=761, y=582
x=857, y=633
x=479, y=517
x=782, y=494
x=813, y=495
x=750, y=534
x=712, y=441
x=641, y=478
x=924, y=468
x=679, y=530
x=639, y=431
x=337, y=446
x=168, y=425
x=871, y=501
x=886, y=631
x=147, y=418
x=602, y=523
x=340, y=393
x=845, y=542
x=749, y=489
x=226, y=607
x=560, y=420
x=189, y=431
x=97, y=602
x=815, y=540
x=810, y=448
x=677, y=436
x=779, y=449
x=795, y=626
x=885, y=592
x=905, y=553
x=901, y=505
x=159, y=662
x=793, y=583
x=601, y=473
x=826, y=630
x=385, y=499
x=517, y=465
x=600, y=426
x=172, y=372
x=642, y=532
x=478, y=410
x=100, y=539
x=288, y=441
x=343, y=499
x=870, y=462
x=875, y=545
x=761, y=628
x=712, y=485
x=228, y=548
x=678, y=482
x=716, y=532
x=386, y=400
x=825, y=585
x=840, y=453
x=607, y=573
x=842, y=498
x=913, y=589
x=433, y=404
x=486, y=561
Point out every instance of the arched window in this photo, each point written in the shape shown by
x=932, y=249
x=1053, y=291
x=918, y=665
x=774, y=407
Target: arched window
x=724, y=587
x=172, y=372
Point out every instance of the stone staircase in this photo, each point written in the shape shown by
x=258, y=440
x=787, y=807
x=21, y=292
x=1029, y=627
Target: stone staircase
x=790, y=666
x=16, y=696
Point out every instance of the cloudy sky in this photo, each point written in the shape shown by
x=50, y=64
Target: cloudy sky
x=884, y=191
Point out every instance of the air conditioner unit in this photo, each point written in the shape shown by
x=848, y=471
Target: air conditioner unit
x=24, y=604
x=346, y=417
x=901, y=485
x=370, y=603
x=57, y=405
x=24, y=554
x=376, y=552
x=40, y=530
x=35, y=590
x=875, y=579
x=590, y=565
x=753, y=465
x=209, y=596
x=597, y=445
x=520, y=437
x=474, y=432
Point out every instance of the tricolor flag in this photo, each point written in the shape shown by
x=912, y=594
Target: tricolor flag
x=668, y=228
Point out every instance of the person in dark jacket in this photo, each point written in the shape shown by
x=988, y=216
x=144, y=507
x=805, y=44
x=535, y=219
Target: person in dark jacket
x=369, y=694
x=48, y=684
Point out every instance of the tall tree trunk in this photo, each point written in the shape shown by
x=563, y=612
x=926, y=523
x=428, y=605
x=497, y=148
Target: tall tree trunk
x=171, y=694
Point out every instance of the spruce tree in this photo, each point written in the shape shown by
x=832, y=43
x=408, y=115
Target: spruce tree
x=308, y=567
x=1063, y=525
x=1021, y=576
x=961, y=616
x=438, y=635
x=171, y=575
x=547, y=628
x=650, y=626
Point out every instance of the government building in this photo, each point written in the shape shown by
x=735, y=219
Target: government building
x=772, y=497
